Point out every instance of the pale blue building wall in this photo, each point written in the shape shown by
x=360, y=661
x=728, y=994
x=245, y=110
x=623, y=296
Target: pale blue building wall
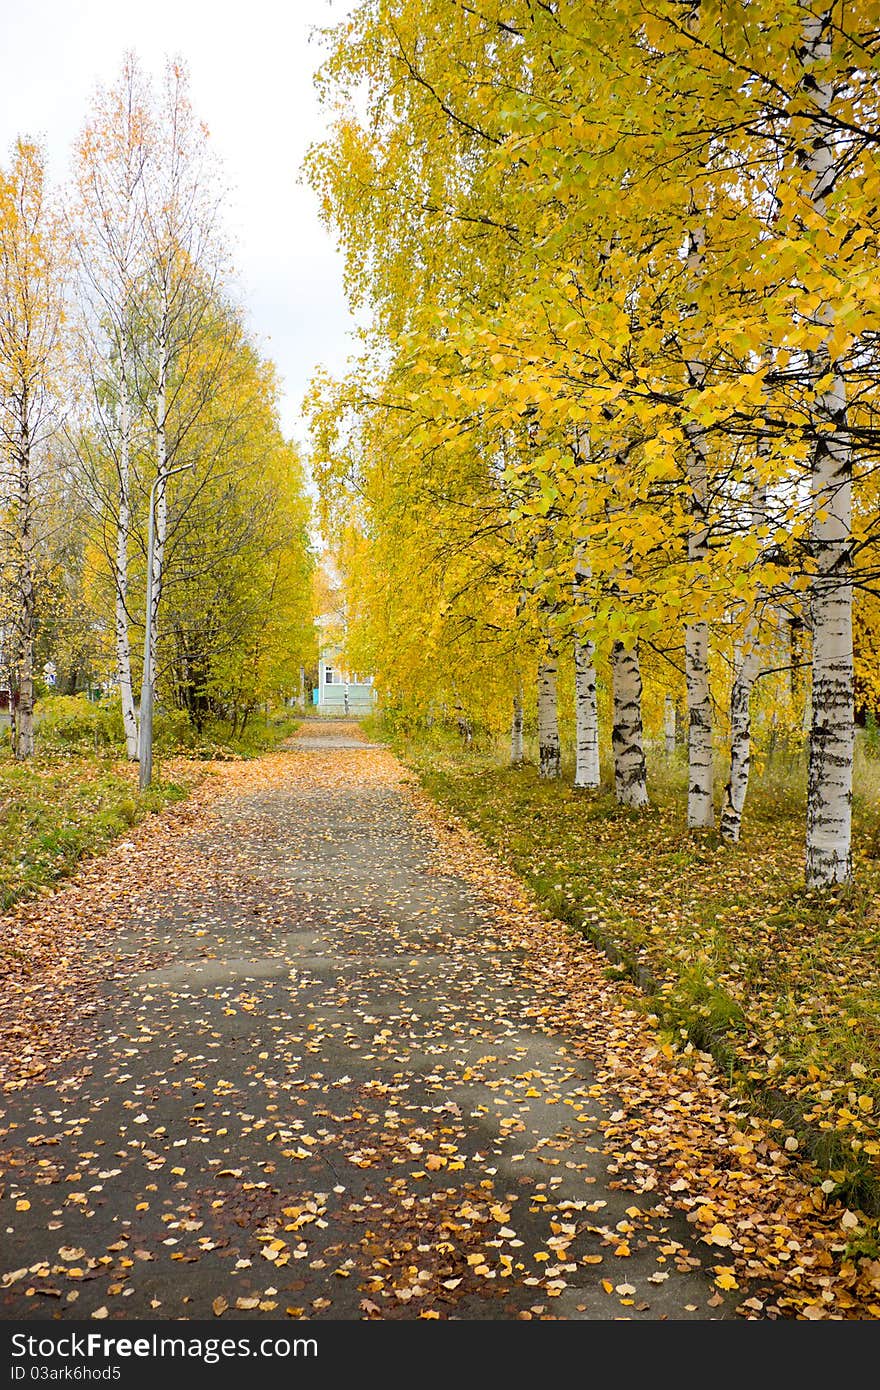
x=334, y=694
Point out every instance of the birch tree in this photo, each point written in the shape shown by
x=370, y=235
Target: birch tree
x=184, y=266
x=108, y=217
x=31, y=298
x=516, y=725
x=675, y=260
x=630, y=772
x=700, y=809
x=829, y=796
x=746, y=667
x=586, y=717
x=549, y=753
x=587, y=770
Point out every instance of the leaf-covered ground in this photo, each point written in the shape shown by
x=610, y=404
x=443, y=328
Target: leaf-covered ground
x=302, y=1048
x=781, y=985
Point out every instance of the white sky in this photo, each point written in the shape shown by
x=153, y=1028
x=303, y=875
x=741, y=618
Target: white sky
x=251, y=65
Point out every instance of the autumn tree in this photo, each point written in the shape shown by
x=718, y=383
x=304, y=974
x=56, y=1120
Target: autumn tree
x=160, y=343
x=31, y=300
x=238, y=557
x=108, y=216
x=641, y=226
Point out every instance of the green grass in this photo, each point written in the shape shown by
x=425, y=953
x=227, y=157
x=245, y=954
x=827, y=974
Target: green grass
x=54, y=810
x=728, y=949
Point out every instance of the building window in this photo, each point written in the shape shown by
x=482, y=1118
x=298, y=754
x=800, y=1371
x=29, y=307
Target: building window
x=328, y=675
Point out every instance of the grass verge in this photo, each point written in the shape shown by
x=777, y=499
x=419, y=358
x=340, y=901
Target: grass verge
x=54, y=810
x=727, y=948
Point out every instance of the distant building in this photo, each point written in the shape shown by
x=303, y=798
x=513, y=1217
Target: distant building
x=339, y=691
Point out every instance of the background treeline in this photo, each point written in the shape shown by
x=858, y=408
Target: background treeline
x=617, y=405
x=126, y=369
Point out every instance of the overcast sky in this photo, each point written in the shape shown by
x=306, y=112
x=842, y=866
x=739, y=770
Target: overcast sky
x=251, y=65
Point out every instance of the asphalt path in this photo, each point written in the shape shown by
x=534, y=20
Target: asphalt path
x=313, y=1086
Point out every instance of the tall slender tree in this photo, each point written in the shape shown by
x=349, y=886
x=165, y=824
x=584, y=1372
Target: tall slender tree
x=109, y=233
x=31, y=300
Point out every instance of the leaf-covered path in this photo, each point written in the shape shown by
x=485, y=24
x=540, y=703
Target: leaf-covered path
x=285, y=1060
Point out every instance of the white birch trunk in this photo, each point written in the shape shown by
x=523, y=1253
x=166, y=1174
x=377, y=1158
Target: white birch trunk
x=516, y=726
x=700, y=807
x=123, y=643
x=586, y=710
x=549, y=754
x=123, y=664
x=586, y=717
x=745, y=672
x=630, y=773
x=701, y=810
x=24, y=714
x=669, y=726
x=161, y=503
x=746, y=668
x=829, y=783
x=832, y=734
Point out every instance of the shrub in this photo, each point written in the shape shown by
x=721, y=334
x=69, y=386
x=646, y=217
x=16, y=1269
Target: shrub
x=172, y=731
x=73, y=722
